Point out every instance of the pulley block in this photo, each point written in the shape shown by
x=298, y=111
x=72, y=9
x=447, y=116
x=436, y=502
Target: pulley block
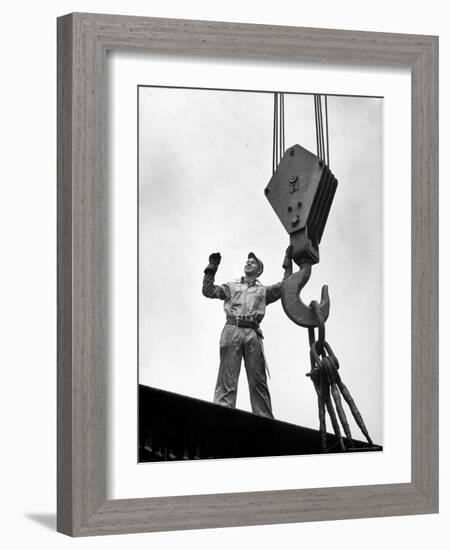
x=301, y=192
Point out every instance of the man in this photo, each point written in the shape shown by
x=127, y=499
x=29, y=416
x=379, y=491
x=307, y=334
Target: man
x=245, y=302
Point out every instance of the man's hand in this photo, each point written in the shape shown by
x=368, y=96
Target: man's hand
x=287, y=262
x=214, y=261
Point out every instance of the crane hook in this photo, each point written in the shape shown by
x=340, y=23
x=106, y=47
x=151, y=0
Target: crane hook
x=293, y=305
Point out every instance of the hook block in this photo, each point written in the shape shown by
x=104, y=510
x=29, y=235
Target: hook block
x=301, y=192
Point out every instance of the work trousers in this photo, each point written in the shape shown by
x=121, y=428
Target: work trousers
x=237, y=343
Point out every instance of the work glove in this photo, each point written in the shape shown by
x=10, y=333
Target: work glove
x=214, y=261
x=287, y=262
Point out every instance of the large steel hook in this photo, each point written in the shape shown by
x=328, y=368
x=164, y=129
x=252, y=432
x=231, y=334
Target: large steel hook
x=293, y=305
x=301, y=191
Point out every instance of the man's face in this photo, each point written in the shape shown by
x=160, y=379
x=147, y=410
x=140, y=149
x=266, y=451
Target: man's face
x=251, y=267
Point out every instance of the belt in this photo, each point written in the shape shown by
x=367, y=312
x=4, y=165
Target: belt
x=245, y=323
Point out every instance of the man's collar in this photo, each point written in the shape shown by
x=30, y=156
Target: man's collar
x=255, y=282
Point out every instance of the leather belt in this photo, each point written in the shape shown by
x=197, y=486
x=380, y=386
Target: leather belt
x=245, y=323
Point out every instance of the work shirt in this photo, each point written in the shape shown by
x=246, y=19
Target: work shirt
x=242, y=299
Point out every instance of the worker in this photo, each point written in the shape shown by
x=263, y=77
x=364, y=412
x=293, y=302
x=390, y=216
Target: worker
x=245, y=302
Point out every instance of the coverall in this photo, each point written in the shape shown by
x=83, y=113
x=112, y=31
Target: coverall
x=246, y=302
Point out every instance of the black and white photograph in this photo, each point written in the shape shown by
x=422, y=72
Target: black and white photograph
x=260, y=273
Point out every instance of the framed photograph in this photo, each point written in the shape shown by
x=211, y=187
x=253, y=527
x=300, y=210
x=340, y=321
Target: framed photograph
x=212, y=177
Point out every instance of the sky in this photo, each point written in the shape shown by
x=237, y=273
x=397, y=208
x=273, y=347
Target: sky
x=205, y=157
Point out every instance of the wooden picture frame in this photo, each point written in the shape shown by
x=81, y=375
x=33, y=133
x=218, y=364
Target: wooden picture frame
x=83, y=40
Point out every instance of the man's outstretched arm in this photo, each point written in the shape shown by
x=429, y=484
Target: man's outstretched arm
x=209, y=289
x=273, y=292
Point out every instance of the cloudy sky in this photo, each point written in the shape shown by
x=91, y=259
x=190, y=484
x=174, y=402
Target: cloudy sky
x=205, y=157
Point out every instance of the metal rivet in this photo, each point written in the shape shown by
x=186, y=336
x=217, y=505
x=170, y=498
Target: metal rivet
x=295, y=221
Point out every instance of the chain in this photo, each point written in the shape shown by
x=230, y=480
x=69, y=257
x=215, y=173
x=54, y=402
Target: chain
x=321, y=354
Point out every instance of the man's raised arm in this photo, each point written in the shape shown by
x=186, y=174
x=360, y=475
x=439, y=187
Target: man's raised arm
x=209, y=289
x=273, y=292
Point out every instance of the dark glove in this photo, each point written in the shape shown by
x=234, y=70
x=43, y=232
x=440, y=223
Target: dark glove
x=287, y=262
x=214, y=261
